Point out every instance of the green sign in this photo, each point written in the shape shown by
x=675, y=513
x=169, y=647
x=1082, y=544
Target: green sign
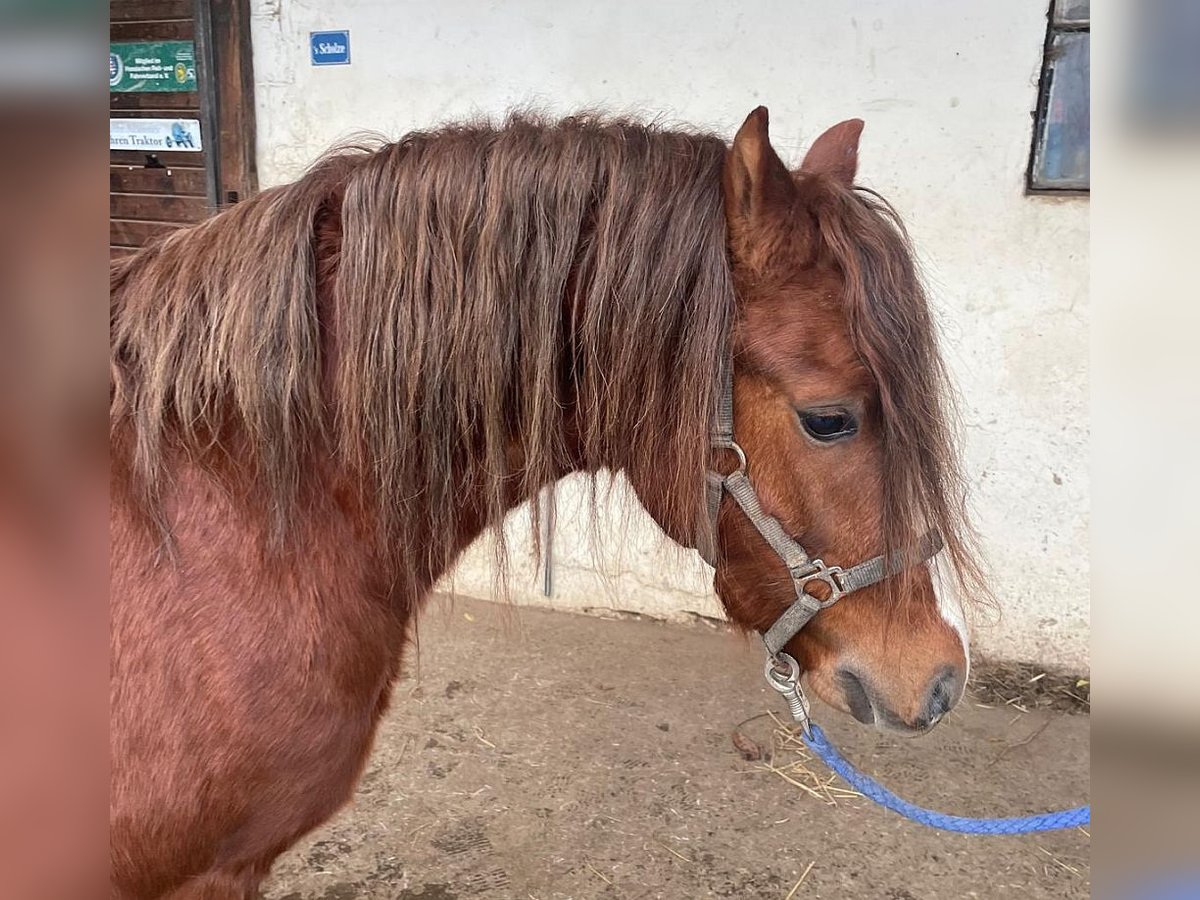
x=152, y=66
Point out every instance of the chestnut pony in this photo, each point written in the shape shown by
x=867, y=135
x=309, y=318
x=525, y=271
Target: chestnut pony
x=323, y=394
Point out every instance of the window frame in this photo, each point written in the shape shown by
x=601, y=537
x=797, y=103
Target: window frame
x=1038, y=115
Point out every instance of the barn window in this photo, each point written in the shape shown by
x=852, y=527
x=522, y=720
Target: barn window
x=1060, y=159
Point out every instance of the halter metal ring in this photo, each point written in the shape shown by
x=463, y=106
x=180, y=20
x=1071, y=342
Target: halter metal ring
x=741, y=455
x=816, y=570
x=781, y=681
x=737, y=449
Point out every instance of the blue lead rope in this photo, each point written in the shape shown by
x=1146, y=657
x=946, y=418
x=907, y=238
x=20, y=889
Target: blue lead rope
x=819, y=743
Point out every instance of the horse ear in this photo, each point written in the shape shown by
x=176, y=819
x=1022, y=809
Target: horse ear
x=835, y=153
x=756, y=179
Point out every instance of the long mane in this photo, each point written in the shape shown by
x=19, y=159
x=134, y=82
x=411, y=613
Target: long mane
x=473, y=310
x=892, y=329
x=400, y=314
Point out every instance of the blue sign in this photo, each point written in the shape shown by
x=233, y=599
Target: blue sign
x=330, y=48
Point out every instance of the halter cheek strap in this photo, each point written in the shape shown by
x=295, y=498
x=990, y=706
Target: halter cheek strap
x=803, y=569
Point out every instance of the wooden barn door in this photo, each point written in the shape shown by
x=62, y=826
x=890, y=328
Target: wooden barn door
x=181, y=99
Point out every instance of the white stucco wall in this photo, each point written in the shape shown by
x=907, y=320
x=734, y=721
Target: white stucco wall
x=946, y=89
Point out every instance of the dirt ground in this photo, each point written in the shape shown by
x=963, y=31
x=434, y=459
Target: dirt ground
x=536, y=755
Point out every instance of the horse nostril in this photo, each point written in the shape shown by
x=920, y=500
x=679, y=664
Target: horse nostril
x=942, y=696
x=856, y=696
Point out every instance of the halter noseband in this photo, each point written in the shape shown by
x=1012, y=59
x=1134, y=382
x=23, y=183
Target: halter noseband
x=782, y=670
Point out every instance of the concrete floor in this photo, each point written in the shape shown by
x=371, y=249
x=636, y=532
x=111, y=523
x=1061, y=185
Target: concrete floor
x=546, y=755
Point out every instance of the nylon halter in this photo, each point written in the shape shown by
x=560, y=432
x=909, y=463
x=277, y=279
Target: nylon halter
x=803, y=568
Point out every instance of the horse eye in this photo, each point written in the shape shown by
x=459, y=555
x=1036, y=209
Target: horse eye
x=828, y=424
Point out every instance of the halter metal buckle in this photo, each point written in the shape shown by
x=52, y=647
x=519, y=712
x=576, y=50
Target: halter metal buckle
x=816, y=570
